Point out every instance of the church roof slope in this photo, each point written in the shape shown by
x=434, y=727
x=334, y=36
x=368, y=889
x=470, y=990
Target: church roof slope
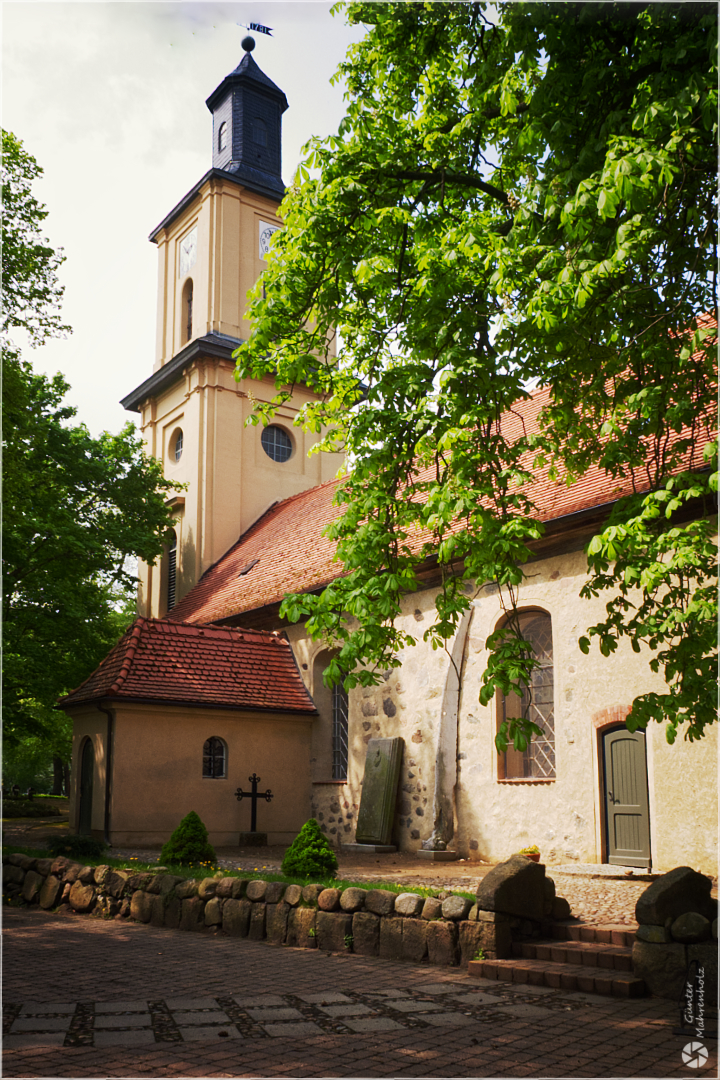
x=285, y=550
x=162, y=661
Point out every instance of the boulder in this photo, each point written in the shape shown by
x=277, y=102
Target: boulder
x=655, y=935
x=206, y=889
x=329, y=900
x=690, y=928
x=213, y=912
x=115, y=882
x=236, y=917
x=352, y=900
x=432, y=908
x=408, y=904
x=276, y=922
x=333, y=927
x=256, y=928
x=366, y=933
x=239, y=885
x=101, y=872
x=81, y=897
x=141, y=905
x=32, y=885
x=515, y=887
x=87, y=875
x=301, y=928
x=391, y=934
x=50, y=892
x=414, y=940
x=311, y=893
x=255, y=890
x=706, y=955
x=192, y=913
x=456, y=907
x=560, y=908
x=184, y=890
x=380, y=901
x=662, y=967
x=442, y=943
x=224, y=888
x=293, y=895
x=44, y=866
x=274, y=892
x=13, y=875
x=676, y=892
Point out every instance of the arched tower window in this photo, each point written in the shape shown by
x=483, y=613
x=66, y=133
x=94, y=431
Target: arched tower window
x=187, y=309
x=214, y=758
x=339, y=732
x=222, y=136
x=537, y=703
x=171, y=571
x=259, y=132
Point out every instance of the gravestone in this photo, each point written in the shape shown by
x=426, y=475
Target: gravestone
x=379, y=792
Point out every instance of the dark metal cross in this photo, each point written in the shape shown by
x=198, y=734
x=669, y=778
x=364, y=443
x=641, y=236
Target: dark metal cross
x=253, y=795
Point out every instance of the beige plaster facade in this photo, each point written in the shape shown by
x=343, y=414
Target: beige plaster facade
x=156, y=772
x=564, y=816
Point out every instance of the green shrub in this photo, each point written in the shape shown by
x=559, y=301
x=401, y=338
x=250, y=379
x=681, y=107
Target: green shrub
x=18, y=808
x=188, y=845
x=310, y=853
x=76, y=847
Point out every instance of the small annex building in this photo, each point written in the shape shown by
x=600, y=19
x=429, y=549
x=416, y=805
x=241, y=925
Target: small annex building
x=177, y=718
x=211, y=673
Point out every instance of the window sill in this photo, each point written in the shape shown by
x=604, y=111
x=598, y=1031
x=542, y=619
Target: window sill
x=326, y=783
x=528, y=780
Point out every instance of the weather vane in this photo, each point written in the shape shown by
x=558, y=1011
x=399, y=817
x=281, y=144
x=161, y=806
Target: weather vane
x=257, y=27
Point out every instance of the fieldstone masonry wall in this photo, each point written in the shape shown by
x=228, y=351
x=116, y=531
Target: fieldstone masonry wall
x=447, y=931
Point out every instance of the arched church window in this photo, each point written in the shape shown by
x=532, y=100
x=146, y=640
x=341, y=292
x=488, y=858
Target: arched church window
x=171, y=571
x=276, y=443
x=214, y=758
x=537, y=703
x=188, y=309
x=177, y=448
x=222, y=136
x=259, y=132
x=340, y=708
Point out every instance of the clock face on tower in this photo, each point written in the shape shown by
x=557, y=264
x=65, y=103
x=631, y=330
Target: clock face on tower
x=266, y=232
x=188, y=251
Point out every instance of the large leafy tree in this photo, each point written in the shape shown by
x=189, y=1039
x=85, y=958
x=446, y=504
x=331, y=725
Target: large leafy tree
x=77, y=509
x=520, y=195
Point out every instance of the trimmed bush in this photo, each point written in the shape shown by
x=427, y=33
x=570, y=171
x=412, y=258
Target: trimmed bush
x=189, y=844
x=76, y=847
x=17, y=808
x=309, y=854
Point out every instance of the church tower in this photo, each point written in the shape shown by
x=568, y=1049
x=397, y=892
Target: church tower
x=211, y=250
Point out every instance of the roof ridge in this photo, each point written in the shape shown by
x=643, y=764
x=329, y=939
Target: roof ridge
x=134, y=638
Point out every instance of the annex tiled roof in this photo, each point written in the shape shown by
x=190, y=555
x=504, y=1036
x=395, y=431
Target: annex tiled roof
x=285, y=551
x=164, y=661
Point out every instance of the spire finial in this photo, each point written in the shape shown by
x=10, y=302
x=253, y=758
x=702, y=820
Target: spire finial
x=248, y=44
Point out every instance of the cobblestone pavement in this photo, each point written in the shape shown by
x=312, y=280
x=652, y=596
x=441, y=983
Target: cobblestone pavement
x=84, y=997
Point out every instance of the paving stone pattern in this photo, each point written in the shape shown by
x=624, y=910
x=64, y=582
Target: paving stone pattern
x=148, y=1002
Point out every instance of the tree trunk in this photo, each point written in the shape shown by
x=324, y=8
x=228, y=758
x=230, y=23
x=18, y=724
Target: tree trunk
x=57, y=776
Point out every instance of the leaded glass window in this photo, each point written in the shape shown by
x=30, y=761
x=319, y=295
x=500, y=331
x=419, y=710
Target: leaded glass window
x=537, y=703
x=339, y=732
x=214, y=758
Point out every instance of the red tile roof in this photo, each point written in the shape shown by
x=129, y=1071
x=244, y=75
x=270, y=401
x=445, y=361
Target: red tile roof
x=290, y=554
x=166, y=661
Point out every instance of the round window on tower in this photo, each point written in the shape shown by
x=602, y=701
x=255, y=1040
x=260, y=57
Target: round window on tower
x=276, y=443
x=176, y=445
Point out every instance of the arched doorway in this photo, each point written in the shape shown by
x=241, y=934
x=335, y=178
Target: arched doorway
x=87, y=769
x=627, y=815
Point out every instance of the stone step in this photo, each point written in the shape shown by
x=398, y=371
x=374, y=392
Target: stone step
x=605, y=934
x=560, y=976
x=586, y=954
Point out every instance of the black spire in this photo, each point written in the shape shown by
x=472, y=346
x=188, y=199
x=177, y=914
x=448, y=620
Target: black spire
x=247, y=127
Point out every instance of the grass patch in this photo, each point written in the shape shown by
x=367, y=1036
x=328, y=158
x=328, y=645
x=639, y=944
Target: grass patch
x=197, y=873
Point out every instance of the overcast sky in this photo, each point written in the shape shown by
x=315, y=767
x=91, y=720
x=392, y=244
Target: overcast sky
x=110, y=100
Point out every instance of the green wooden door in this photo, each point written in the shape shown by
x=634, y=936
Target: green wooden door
x=626, y=798
x=87, y=768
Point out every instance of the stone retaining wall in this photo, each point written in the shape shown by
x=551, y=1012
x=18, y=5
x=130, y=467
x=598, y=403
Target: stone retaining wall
x=373, y=922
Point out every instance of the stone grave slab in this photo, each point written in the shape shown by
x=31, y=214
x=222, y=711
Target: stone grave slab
x=379, y=791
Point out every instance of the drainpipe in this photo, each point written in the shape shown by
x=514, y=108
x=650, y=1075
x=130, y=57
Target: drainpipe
x=108, y=769
x=446, y=764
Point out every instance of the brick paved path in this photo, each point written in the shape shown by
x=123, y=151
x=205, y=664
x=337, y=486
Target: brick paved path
x=83, y=997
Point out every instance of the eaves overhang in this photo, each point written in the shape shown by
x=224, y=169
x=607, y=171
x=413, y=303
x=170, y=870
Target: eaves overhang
x=220, y=346
x=247, y=180
x=117, y=700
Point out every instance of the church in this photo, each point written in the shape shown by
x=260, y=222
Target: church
x=210, y=688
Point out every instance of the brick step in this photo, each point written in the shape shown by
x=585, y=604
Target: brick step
x=560, y=976
x=580, y=953
x=608, y=934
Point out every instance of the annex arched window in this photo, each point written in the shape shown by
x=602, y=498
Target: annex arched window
x=276, y=443
x=171, y=570
x=340, y=707
x=187, y=309
x=222, y=136
x=259, y=132
x=214, y=758
x=537, y=703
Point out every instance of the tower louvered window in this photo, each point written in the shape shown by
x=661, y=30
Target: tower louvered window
x=171, y=572
x=339, y=733
x=537, y=703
